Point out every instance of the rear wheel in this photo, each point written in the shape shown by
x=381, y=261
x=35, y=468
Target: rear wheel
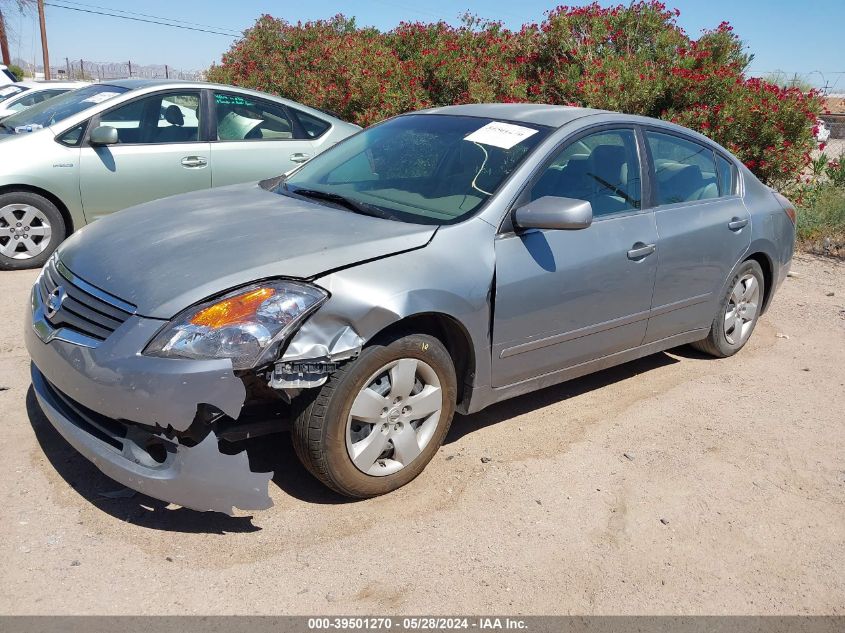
x=31, y=227
x=378, y=420
x=738, y=312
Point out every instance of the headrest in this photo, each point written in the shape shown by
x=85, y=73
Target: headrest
x=173, y=115
x=607, y=161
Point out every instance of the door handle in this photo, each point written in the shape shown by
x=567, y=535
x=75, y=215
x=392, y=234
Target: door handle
x=736, y=224
x=640, y=251
x=299, y=157
x=194, y=161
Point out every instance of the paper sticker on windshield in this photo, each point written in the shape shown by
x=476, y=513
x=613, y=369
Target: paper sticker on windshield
x=100, y=97
x=9, y=91
x=498, y=134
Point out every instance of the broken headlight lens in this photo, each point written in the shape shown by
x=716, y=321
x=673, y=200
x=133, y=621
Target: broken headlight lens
x=247, y=325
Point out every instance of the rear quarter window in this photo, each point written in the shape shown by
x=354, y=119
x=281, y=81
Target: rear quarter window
x=312, y=125
x=727, y=176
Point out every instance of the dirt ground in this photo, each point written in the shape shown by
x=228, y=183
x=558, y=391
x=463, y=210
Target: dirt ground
x=675, y=484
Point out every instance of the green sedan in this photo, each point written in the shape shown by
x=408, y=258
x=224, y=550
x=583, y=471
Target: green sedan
x=87, y=153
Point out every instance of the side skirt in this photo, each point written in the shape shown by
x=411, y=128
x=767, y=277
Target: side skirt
x=483, y=397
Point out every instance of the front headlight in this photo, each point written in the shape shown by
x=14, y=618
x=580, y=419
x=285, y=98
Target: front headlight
x=247, y=325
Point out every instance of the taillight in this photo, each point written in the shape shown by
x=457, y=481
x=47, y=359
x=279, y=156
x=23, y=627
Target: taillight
x=790, y=211
x=788, y=207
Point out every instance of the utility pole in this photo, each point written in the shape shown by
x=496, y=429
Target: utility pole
x=67, y=65
x=130, y=68
x=45, y=53
x=166, y=73
x=4, y=41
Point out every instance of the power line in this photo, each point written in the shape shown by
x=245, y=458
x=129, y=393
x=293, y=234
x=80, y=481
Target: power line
x=145, y=15
x=126, y=17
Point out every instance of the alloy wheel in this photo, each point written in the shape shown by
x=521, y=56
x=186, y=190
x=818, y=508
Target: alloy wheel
x=24, y=231
x=394, y=417
x=741, y=310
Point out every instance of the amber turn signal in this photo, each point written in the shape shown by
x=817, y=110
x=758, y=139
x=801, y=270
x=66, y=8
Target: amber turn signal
x=233, y=310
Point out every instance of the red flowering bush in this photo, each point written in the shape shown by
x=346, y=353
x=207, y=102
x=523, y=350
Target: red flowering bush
x=327, y=64
x=630, y=58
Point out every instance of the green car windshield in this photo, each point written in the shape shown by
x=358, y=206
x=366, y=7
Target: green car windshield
x=420, y=168
x=61, y=107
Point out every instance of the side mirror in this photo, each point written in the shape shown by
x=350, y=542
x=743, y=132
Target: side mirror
x=103, y=135
x=550, y=212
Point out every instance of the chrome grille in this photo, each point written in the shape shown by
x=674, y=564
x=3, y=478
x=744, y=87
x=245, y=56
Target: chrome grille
x=83, y=308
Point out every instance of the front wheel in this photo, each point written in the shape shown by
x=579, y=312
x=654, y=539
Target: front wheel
x=31, y=227
x=737, y=314
x=378, y=420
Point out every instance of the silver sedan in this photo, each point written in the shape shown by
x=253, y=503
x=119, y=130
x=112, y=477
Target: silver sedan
x=441, y=261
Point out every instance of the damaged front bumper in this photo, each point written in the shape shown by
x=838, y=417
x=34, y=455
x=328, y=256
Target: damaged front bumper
x=198, y=477
x=126, y=413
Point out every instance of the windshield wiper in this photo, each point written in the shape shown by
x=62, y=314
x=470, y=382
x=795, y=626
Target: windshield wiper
x=8, y=127
x=351, y=204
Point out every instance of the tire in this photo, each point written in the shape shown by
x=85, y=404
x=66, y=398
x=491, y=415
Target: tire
x=31, y=227
x=723, y=341
x=326, y=434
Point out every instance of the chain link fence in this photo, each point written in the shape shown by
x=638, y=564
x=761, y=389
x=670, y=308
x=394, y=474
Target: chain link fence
x=84, y=70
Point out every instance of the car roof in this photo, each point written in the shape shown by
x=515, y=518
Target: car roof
x=132, y=84
x=53, y=83
x=138, y=84
x=536, y=113
x=557, y=116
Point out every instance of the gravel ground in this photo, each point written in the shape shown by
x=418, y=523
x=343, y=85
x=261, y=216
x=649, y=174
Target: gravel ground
x=675, y=484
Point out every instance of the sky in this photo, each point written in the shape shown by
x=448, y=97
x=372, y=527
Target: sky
x=784, y=35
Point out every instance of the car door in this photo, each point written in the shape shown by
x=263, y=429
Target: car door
x=257, y=138
x=567, y=297
x=704, y=230
x=160, y=153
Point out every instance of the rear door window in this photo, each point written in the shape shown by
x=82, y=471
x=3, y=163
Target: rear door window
x=685, y=171
x=243, y=118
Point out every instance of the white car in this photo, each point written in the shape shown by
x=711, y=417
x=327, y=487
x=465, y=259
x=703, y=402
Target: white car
x=6, y=76
x=822, y=131
x=24, y=94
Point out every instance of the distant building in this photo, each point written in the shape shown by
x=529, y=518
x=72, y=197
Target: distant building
x=835, y=120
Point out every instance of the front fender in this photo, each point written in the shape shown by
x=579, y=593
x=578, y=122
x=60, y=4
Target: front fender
x=445, y=278
x=40, y=164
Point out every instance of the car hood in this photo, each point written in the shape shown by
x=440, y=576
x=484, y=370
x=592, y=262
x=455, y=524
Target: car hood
x=5, y=135
x=166, y=255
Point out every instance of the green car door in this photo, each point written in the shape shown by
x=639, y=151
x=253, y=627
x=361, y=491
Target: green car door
x=156, y=152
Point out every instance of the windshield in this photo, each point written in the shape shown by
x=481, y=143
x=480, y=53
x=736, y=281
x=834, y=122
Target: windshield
x=7, y=92
x=421, y=168
x=58, y=108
